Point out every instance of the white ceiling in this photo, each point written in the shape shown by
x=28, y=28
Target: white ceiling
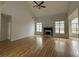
x=2, y=2
x=52, y=7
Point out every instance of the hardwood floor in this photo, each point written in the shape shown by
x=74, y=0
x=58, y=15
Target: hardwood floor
x=40, y=46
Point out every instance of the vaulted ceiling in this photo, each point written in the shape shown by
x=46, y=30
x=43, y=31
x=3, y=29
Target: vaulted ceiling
x=52, y=7
x=2, y=2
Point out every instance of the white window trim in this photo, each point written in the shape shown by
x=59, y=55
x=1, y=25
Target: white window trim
x=59, y=27
x=76, y=26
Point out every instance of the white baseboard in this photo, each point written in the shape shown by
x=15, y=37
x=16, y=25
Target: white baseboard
x=21, y=37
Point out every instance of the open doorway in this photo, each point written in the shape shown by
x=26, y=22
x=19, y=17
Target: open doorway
x=5, y=27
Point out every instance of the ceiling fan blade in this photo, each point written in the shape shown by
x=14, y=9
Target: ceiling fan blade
x=36, y=3
x=34, y=6
x=43, y=6
x=41, y=3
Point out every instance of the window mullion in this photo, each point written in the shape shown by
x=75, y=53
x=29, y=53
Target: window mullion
x=59, y=26
x=76, y=27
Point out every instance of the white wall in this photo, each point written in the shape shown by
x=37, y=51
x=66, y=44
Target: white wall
x=0, y=26
x=46, y=20
x=72, y=6
x=71, y=17
x=49, y=21
x=22, y=22
x=73, y=13
x=61, y=17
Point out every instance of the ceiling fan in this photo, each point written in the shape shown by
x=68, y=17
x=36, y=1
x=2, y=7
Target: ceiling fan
x=39, y=5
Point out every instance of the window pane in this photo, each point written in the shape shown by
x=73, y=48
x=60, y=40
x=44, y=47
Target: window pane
x=57, y=30
x=56, y=27
x=40, y=30
x=59, y=27
x=61, y=30
x=75, y=20
x=57, y=22
x=39, y=27
x=73, y=28
x=61, y=21
x=73, y=25
x=62, y=27
x=77, y=28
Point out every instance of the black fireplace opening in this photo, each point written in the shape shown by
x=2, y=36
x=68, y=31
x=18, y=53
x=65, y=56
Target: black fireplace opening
x=48, y=31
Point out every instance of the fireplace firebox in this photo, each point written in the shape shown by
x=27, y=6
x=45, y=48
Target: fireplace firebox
x=48, y=31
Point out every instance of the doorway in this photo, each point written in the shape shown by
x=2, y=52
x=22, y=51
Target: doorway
x=5, y=27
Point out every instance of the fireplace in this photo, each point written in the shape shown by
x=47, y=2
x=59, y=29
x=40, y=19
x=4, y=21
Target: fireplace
x=48, y=31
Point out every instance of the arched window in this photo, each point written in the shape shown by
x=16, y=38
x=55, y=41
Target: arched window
x=75, y=29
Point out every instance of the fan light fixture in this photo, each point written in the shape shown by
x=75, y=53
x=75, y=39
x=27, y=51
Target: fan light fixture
x=39, y=5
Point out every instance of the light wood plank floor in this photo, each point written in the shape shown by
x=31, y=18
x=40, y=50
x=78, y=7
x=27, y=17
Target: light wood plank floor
x=40, y=46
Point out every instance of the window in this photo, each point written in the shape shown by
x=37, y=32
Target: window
x=39, y=27
x=75, y=25
x=59, y=27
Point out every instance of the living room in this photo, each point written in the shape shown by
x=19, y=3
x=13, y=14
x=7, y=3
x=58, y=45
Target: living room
x=39, y=28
